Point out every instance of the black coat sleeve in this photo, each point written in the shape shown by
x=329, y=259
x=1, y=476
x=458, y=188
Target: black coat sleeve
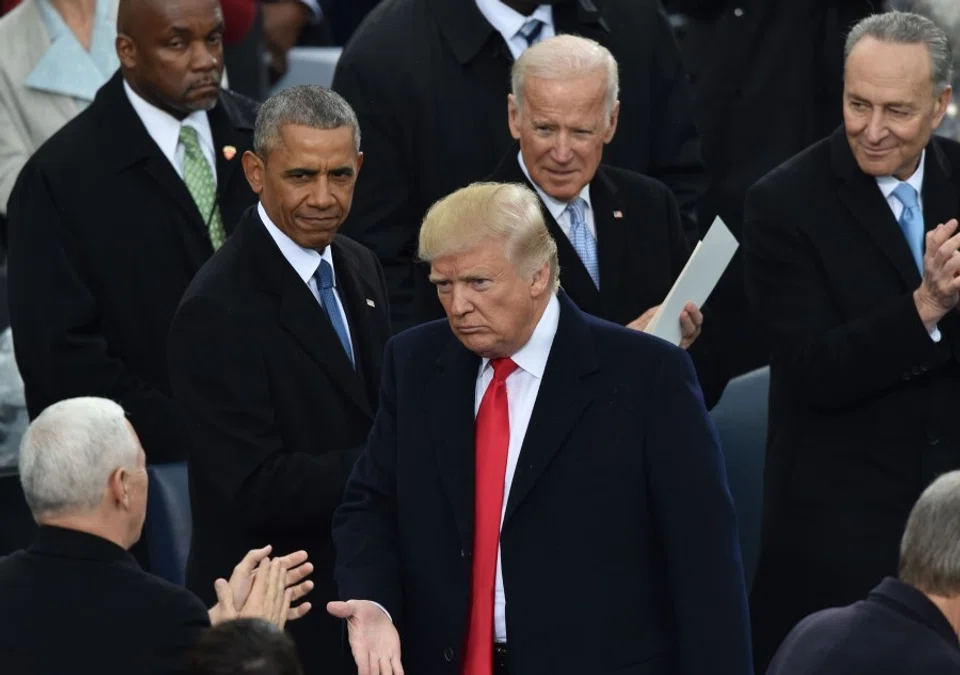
x=236, y=442
x=60, y=345
x=676, y=157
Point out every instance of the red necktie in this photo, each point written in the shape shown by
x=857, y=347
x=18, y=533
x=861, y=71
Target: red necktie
x=492, y=444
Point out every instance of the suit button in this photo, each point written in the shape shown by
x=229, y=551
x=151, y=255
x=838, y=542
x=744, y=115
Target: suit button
x=932, y=438
x=738, y=12
x=448, y=654
x=463, y=554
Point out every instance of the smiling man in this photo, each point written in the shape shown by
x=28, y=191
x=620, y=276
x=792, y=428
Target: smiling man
x=851, y=261
x=275, y=355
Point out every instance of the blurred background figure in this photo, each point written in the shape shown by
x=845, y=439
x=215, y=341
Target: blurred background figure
x=247, y=646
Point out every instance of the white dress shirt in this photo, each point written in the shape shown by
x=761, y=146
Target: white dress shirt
x=888, y=184
x=305, y=262
x=558, y=209
x=508, y=22
x=164, y=129
x=522, y=387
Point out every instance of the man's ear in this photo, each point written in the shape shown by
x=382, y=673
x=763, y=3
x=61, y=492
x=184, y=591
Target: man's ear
x=116, y=486
x=126, y=51
x=253, y=169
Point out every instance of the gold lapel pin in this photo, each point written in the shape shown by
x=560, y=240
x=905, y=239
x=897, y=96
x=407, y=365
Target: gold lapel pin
x=229, y=152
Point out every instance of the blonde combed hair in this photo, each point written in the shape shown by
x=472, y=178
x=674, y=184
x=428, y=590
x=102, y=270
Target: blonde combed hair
x=567, y=57
x=491, y=211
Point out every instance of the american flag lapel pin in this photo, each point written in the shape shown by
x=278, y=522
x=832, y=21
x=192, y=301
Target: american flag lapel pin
x=371, y=303
x=618, y=214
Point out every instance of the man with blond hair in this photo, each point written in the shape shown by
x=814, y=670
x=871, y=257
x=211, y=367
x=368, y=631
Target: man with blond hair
x=620, y=244
x=581, y=526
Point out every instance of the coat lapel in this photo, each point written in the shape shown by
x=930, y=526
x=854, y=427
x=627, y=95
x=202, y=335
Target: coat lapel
x=613, y=244
x=367, y=342
x=940, y=199
x=453, y=393
x=565, y=393
x=231, y=137
x=301, y=315
x=863, y=199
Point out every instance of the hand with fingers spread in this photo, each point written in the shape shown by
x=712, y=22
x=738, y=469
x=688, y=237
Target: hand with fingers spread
x=939, y=291
x=269, y=598
x=373, y=638
x=296, y=570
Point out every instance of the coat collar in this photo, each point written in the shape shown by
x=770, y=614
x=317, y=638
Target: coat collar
x=64, y=543
x=905, y=599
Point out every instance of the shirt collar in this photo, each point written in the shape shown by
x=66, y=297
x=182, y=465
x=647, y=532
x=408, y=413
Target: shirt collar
x=304, y=261
x=532, y=357
x=554, y=206
x=164, y=128
x=889, y=183
x=508, y=21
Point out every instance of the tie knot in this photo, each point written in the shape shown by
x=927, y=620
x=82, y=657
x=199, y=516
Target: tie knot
x=502, y=369
x=531, y=30
x=907, y=195
x=188, y=136
x=324, y=275
x=578, y=210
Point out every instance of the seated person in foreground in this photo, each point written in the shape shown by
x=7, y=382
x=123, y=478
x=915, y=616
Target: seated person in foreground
x=75, y=600
x=908, y=625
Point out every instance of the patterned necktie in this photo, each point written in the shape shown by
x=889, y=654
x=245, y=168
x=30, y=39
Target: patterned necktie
x=530, y=31
x=584, y=243
x=201, y=184
x=911, y=221
x=492, y=445
x=324, y=279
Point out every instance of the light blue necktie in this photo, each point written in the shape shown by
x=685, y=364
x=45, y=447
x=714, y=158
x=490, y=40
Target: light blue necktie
x=530, y=31
x=324, y=278
x=911, y=221
x=584, y=243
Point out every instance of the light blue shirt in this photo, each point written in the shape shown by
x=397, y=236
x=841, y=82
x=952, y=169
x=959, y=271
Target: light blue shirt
x=66, y=67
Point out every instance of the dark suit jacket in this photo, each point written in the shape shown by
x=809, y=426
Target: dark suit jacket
x=641, y=253
x=896, y=630
x=862, y=402
x=435, y=120
x=76, y=603
x=610, y=563
x=104, y=238
x=746, y=58
x=277, y=412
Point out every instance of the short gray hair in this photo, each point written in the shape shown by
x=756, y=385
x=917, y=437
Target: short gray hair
x=907, y=28
x=567, y=57
x=489, y=211
x=69, y=451
x=305, y=105
x=930, y=548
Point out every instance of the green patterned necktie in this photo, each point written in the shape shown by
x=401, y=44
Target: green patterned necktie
x=201, y=184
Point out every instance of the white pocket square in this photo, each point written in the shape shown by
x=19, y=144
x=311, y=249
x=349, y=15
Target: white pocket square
x=371, y=303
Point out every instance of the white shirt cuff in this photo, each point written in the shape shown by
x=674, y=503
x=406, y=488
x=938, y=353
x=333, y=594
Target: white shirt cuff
x=384, y=610
x=314, y=7
x=935, y=334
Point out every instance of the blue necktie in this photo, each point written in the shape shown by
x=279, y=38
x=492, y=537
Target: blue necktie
x=584, y=243
x=911, y=221
x=324, y=278
x=530, y=31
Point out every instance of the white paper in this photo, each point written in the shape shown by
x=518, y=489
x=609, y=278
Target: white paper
x=697, y=280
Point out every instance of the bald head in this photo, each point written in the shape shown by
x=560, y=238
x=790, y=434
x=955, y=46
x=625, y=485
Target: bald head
x=171, y=52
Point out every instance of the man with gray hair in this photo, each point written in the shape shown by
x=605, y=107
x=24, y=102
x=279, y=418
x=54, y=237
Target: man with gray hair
x=906, y=625
x=275, y=352
x=851, y=254
x=76, y=601
x=620, y=244
x=542, y=491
